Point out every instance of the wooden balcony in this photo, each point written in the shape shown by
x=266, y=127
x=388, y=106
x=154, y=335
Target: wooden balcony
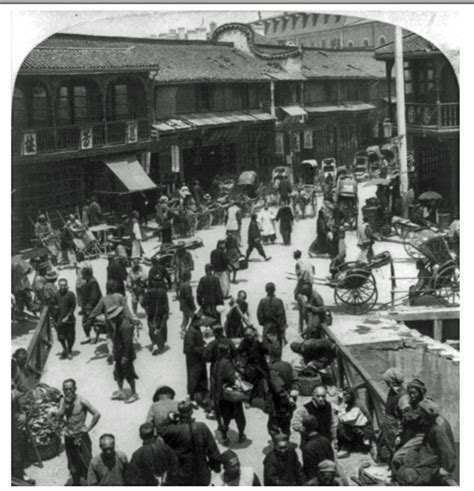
x=442, y=117
x=80, y=137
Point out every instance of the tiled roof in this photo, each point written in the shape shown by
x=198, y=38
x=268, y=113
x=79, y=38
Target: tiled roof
x=172, y=60
x=341, y=64
x=412, y=44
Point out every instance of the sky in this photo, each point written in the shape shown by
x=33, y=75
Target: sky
x=145, y=24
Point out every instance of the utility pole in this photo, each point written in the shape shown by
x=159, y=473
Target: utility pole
x=401, y=121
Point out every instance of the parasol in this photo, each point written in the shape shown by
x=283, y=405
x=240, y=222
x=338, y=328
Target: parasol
x=247, y=178
x=429, y=195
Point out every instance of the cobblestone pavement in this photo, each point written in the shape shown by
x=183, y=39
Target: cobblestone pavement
x=95, y=380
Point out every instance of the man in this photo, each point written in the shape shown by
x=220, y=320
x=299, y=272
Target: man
x=152, y=462
x=254, y=240
x=234, y=474
x=90, y=294
x=233, y=221
x=312, y=311
x=158, y=268
x=195, y=447
x=43, y=230
x=323, y=412
x=271, y=314
x=155, y=303
x=194, y=346
x=181, y=263
x=124, y=354
x=365, y=241
x=286, y=218
x=284, y=189
x=67, y=240
x=316, y=447
x=225, y=375
x=95, y=212
x=116, y=271
x=412, y=433
x=64, y=304
x=209, y=294
x=221, y=266
x=435, y=459
x=77, y=442
x=283, y=385
x=136, y=235
x=317, y=354
x=163, y=404
x=304, y=272
x=111, y=299
x=108, y=468
x=136, y=283
x=326, y=475
x=281, y=466
x=197, y=193
x=49, y=289
x=20, y=376
x=266, y=225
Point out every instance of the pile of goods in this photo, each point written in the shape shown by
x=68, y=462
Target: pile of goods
x=45, y=427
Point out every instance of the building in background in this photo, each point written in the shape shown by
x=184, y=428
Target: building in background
x=432, y=115
x=327, y=31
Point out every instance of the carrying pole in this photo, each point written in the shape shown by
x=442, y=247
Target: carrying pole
x=401, y=121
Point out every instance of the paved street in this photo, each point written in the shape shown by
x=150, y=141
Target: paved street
x=94, y=377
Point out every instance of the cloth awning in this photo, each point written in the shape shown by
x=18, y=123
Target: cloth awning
x=131, y=174
x=200, y=120
x=283, y=75
x=294, y=110
x=354, y=107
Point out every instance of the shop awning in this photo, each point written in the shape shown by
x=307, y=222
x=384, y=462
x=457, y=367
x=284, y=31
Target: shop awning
x=294, y=110
x=283, y=75
x=199, y=120
x=361, y=106
x=131, y=174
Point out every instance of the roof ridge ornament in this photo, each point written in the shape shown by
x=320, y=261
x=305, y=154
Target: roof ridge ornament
x=250, y=35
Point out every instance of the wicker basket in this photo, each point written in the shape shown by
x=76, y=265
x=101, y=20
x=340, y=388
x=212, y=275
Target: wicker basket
x=47, y=452
x=308, y=384
x=238, y=395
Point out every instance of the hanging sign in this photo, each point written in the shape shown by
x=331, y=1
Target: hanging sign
x=132, y=132
x=29, y=146
x=296, y=142
x=175, y=160
x=279, y=144
x=308, y=139
x=86, y=138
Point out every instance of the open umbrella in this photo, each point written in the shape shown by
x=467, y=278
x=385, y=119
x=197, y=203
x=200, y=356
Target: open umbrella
x=429, y=195
x=375, y=182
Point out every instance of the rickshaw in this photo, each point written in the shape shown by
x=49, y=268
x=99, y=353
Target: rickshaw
x=347, y=201
x=308, y=172
x=307, y=187
x=361, y=166
x=248, y=190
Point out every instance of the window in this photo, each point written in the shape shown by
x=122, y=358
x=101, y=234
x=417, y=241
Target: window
x=312, y=44
x=350, y=44
x=365, y=43
x=315, y=19
x=382, y=40
x=275, y=25
x=39, y=107
x=323, y=43
x=285, y=23
x=80, y=104
x=407, y=69
x=334, y=43
x=204, y=98
x=326, y=18
x=338, y=18
x=185, y=99
x=294, y=21
x=19, y=109
x=120, y=101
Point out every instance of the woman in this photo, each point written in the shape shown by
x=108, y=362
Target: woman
x=233, y=254
x=320, y=244
x=137, y=249
x=136, y=283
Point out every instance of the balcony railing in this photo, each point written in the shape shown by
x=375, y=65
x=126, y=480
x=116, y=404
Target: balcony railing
x=440, y=116
x=80, y=137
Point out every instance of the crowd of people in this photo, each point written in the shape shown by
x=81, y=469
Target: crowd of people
x=238, y=368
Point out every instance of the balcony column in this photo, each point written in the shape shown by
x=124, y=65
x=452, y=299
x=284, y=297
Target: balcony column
x=437, y=75
x=388, y=77
x=272, y=98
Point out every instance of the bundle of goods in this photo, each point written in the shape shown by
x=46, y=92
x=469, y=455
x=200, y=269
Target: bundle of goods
x=45, y=427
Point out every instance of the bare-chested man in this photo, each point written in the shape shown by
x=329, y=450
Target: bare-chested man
x=76, y=436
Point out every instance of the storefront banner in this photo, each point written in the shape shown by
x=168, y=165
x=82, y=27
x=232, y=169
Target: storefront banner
x=308, y=139
x=296, y=142
x=175, y=159
x=279, y=144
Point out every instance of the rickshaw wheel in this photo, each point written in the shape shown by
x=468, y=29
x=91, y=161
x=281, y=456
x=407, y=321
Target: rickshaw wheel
x=408, y=237
x=447, y=285
x=356, y=291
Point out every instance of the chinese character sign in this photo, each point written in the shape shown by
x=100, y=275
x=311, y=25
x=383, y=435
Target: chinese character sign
x=132, y=132
x=29, y=146
x=308, y=139
x=279, y=144
x=86, y=138
x=296, y=142
x=175, y=160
